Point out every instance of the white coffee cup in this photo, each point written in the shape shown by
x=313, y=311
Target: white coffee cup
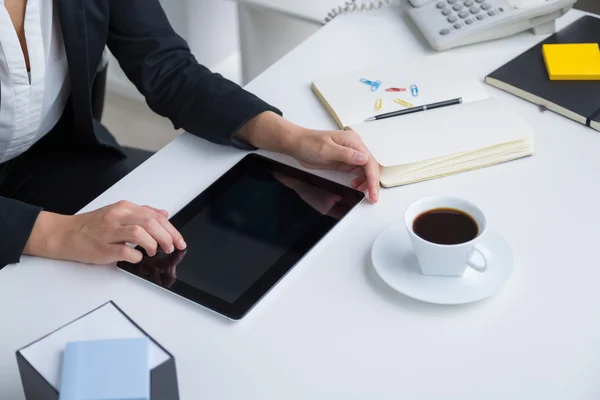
x=447, y=260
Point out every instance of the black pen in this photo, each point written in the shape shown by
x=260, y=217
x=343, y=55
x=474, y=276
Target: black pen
x=416, y=109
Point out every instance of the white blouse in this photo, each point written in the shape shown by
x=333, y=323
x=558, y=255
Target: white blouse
x=31, y=102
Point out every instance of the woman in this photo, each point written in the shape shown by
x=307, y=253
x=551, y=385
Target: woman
x=55, y=158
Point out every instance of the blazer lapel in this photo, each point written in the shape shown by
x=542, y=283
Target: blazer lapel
x=74, y=31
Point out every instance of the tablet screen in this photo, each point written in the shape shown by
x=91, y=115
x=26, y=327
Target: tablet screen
x=259, y=217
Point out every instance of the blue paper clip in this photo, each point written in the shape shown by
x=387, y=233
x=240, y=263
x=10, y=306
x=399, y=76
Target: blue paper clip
x=414, y=89
x=374, y=85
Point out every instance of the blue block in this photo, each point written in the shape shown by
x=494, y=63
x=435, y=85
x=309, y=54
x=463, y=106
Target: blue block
x=106, y=370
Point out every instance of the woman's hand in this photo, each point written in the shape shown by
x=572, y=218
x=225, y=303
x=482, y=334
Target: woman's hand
x=100, y=236
x=338, y=150
x=342, y=151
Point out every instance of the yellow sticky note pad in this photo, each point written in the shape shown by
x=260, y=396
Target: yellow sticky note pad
x=572, y=62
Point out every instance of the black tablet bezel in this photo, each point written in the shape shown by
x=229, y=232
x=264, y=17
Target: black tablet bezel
x=350, y=197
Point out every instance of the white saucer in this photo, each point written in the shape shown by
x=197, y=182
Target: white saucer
x=396, y=263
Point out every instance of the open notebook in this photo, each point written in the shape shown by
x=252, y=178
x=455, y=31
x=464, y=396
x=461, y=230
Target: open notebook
x=478, y=133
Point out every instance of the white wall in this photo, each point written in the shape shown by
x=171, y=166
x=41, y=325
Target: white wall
x=211, y=29
x=268, y=35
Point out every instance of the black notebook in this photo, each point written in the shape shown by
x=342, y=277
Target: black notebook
x=526, y=77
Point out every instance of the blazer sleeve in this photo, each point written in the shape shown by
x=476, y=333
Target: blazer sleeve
x=16, y=223
x=163, y=69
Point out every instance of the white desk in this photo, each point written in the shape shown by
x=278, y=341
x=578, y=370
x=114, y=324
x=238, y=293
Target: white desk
x=331, y=329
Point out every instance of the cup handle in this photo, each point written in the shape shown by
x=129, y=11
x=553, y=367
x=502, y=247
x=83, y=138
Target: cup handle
x=484, y=253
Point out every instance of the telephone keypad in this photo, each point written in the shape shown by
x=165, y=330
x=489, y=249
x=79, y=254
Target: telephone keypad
x=467, y=11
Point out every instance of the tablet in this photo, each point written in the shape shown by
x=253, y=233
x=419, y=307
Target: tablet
x=245, y=232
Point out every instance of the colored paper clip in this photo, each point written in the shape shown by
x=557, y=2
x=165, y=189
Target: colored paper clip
x=374, y=84
x=378, y=104
x=414, y=90
x=403, y=103
x=395, y=89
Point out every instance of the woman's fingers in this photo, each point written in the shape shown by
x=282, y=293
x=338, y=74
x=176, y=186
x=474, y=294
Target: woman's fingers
x=178, y=241
x=372, y=173
x=149, y=221
x=363, y=186
x=122, y=252
x=356, y=182
x=370, y=166
x=158, y=210
x=148, y=227
x=137, y=235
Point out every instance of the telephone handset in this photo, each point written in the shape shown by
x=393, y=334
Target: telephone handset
x=452, y=23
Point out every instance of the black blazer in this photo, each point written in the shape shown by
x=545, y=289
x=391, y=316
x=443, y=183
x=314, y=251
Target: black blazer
x=162, y=68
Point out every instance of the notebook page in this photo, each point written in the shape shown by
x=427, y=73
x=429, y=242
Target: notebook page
x=439, y=78
x=402, y=175
x=442, y=132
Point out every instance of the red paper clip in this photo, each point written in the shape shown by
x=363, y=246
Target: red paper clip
x=395, y=89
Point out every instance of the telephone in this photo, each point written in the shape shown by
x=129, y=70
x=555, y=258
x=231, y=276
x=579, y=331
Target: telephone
x=353, y=5
x=452, y=23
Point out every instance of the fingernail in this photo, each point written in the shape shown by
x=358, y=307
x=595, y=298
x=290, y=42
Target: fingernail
x=171, y=249
x=182, y=244
x=360, y=157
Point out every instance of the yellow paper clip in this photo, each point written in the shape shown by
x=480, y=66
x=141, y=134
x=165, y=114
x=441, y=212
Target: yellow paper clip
x=403, y=103
x=378, y=104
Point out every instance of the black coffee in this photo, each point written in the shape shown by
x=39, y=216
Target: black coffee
x=445, y=226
